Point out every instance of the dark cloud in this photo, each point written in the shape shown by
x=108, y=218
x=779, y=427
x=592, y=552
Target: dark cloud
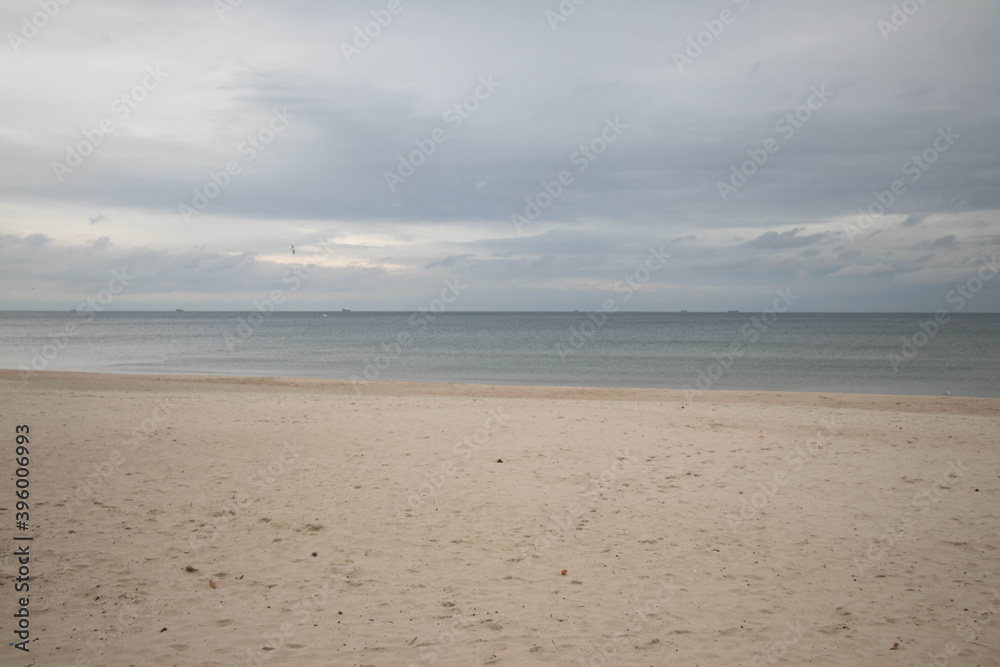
x=102, y=244
x=449, y=261
x=783, y=240
x=944, y=242
x=35, y=240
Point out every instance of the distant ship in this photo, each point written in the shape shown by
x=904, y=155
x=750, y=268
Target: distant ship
x=734, y=311
x=179, y=310
x=345, y=310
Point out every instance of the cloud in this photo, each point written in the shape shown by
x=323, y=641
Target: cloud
x=324, y=175
x=941, y=278
x=859, y=270
x=449, y=261
x=31, y=240
x=102, y=244
x=944, y=242
x=782, y=240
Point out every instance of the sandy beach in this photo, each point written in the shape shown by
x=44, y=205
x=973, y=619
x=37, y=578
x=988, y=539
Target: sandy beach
x=229, y=521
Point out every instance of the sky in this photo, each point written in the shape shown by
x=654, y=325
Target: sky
x=542, y=154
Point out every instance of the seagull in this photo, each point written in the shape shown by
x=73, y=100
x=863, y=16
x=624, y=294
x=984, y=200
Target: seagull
x=293, y=248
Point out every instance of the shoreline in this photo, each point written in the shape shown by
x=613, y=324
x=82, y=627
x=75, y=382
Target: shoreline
x=947, y=404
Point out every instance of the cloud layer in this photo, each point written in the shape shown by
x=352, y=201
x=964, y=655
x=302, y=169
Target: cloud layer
x=839, y=149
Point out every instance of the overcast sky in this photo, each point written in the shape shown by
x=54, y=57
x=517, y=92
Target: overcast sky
x=647, y=110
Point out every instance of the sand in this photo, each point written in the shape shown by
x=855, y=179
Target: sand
x=419, y=524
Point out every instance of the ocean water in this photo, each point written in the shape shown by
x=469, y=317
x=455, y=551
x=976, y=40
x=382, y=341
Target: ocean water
x=865, y=353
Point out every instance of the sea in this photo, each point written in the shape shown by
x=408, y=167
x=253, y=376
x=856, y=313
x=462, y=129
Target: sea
x=860, y=353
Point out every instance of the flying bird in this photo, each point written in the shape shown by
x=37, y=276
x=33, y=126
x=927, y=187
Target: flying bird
x=293, y=248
